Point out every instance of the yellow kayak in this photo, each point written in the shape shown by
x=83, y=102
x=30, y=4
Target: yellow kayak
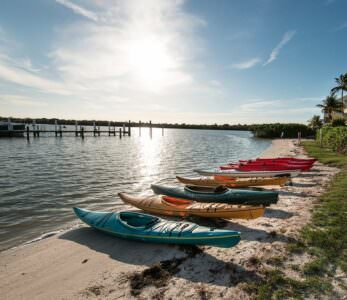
x=164, y=205
x=233, y=183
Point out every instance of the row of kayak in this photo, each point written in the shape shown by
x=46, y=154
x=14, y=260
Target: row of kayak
x=274, y=167
x=221, y=195
x=269, y=165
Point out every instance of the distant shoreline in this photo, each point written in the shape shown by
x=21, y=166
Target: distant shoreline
x=267, y=130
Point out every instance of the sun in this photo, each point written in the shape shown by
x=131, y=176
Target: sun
x=151, y=62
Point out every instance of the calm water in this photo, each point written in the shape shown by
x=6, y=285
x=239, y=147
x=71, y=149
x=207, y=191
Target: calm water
x=42, y=180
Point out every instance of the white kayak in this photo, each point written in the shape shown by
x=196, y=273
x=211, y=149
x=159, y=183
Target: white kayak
x=235, y=173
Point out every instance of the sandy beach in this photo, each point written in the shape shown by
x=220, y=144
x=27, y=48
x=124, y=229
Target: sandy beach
x=83, y=263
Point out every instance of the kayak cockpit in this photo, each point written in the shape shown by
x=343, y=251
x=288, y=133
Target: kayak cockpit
x=176, y=201
x=207, y=190
x=138, y=221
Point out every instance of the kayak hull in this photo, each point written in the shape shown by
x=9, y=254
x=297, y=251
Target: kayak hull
x=251, y=174
x=163, y=231
x=247, y=167
x=164, y=205
x=292, y=160
x=231, y=196
x=236, y=183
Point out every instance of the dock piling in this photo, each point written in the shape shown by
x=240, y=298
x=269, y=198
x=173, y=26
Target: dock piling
x=150, y=129
x=76, y=128
x=55, y=127
x=82, y=132
x=120, y=132
x=28, y=136
x=34, y=128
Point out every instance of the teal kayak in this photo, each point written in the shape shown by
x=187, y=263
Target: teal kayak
x=147, y=228
x=218, y=195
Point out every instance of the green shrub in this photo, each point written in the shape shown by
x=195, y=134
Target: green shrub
x=334, y=138
x=275, y=130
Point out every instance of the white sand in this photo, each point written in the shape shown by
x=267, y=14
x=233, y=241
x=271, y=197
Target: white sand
x=83, y=263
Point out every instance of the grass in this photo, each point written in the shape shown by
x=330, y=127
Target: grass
x=324, y=155
x=326, y=235
x=276, y=285
x=324, y=238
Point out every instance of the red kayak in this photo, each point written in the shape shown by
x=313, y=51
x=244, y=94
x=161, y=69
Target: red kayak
x=263, y=167
x=267, y=165
x=281, y=164
x=268, y=162
x=288, y=159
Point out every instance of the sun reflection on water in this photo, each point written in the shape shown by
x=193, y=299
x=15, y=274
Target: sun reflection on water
x=149, y=160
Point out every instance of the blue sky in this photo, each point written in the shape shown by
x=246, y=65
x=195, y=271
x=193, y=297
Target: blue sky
x=194, y=61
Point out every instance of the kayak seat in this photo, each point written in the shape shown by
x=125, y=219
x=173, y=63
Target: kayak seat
x=206, y=190
x=138, y=220
x=220, y=189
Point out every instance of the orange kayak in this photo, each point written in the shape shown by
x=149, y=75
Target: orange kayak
x=233, y=182
x=164, y=205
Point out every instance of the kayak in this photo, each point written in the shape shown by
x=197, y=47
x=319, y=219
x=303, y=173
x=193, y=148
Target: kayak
x=147, y=228
x=289, y=159
x=264, y=167
x=276, y=162
x=233, y=182
x=234, y=173
x=165, y=205
x=219, y=195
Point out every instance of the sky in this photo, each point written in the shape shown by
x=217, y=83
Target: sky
x=175, y=61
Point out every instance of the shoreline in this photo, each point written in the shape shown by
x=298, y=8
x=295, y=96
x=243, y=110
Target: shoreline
x=82, y=262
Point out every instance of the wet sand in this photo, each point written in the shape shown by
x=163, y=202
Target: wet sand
x=83, y=263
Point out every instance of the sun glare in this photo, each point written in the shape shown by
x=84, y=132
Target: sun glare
x=151, y=62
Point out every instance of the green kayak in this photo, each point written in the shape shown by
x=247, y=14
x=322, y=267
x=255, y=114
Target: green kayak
x=147, y=228
x=220, y=194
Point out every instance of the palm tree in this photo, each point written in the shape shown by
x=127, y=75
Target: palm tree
x=315, y=123
x=330, y=105
x=341, y=82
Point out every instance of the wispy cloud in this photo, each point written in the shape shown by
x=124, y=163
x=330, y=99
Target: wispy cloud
x=79, y=9
x=146, y=53
x=21, y=71
x=341, y=27
x=259, y=105
x=246, y=64
x=275, y=52
x=21, y=101
x=25, y=78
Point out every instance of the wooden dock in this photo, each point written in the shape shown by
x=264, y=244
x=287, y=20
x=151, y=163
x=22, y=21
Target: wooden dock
x=78, y=131
x=36, y=130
